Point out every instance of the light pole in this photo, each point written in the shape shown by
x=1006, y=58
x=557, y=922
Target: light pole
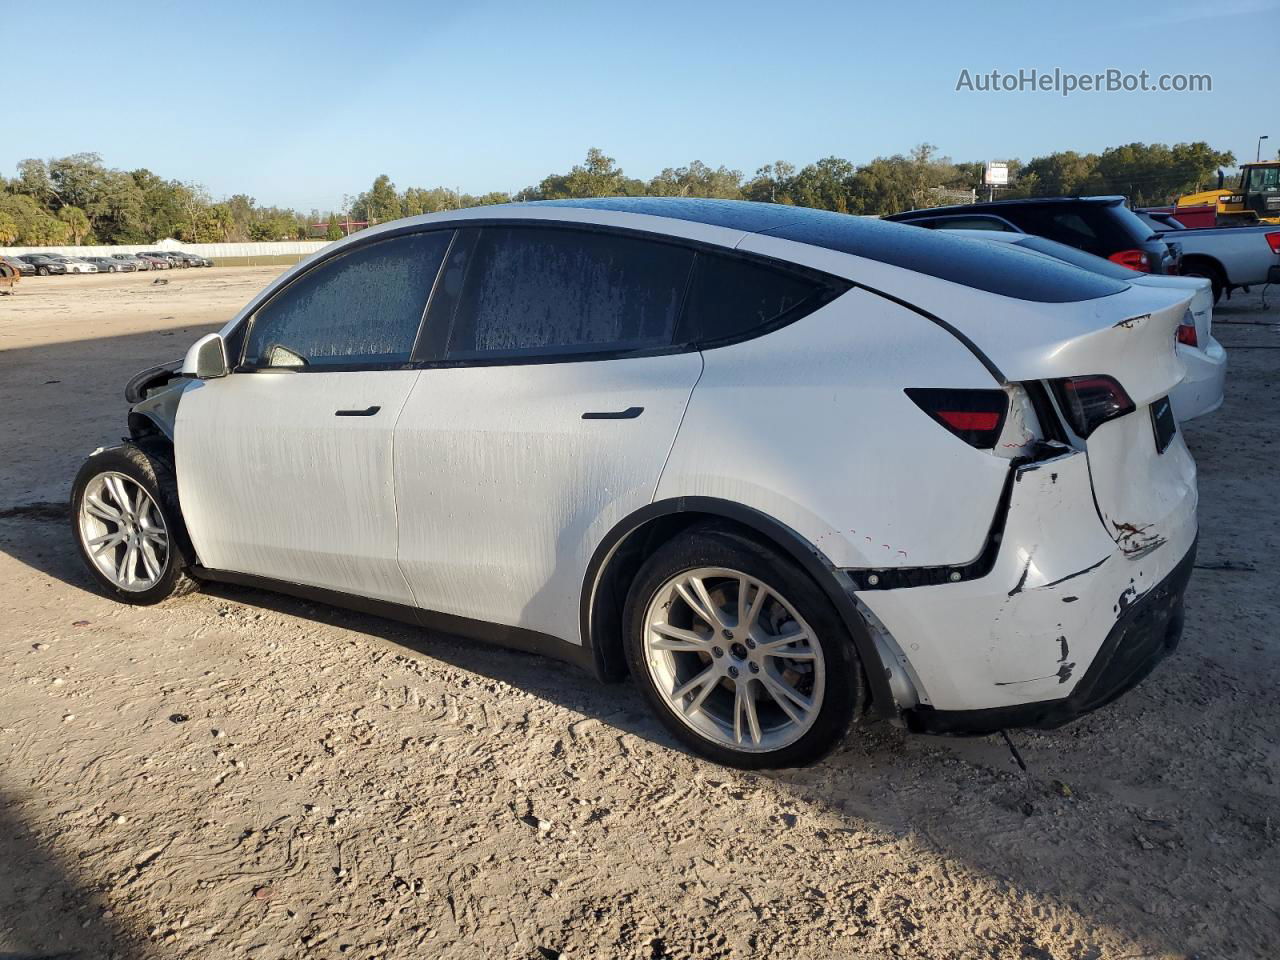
x=1257, y=157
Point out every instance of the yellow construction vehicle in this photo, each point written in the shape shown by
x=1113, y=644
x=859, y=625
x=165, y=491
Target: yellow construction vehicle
x=1257, y=200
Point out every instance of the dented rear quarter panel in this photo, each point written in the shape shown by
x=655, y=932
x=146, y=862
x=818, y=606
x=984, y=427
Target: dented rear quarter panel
x=810, y=425
x=1028, y=631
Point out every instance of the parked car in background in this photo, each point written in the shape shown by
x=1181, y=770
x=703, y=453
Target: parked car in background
x=24, y=268
x=46, y=264
x=165, y=255
x=1201, y=390
x=1103, y=226
x=1228, y=257
x=1159, y=220
x=111, y=265
x=78, y=265
x=786, y=467
x=193, y=259
x=138, y=262
x=154, y=261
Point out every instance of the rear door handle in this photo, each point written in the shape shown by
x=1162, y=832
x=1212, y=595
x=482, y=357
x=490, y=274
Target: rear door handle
x=628, y=414
x=366, y=412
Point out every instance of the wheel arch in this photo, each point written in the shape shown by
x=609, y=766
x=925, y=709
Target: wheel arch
x=621, y=552
x=1210, y=264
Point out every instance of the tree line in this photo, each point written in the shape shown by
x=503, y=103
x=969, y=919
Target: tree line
x=78, y=199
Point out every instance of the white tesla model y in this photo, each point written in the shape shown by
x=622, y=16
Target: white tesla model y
x=787, y=469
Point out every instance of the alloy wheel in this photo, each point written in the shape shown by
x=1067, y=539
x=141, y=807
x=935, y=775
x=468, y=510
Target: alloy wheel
x=734, y=659
x=123, y=531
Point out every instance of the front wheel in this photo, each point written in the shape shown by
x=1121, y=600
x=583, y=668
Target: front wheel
x=127, y=525
x=43, y=271
x=739, y=653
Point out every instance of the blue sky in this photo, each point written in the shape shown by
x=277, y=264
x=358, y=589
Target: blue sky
x=298, y=103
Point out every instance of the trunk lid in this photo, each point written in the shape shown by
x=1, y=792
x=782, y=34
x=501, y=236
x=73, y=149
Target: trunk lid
x=1143, y=476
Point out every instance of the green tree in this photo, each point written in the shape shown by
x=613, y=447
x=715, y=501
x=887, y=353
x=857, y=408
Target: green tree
x=36, y=226
x=380, y=203
x=77, y=223
x=772, y=183
x=697, y=180
x=334, y=229
x=8, y=229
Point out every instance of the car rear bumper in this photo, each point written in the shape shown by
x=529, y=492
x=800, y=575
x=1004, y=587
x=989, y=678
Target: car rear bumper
x=1029, y=634
x=1146, y=632
x=1201, y=390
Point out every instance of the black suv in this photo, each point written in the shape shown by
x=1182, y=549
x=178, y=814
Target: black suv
x=1099, y=225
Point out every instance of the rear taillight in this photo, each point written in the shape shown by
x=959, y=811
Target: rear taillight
x=975, y=416
x=1187, y=331
x=1133, y=259
x=1273, y=241
x=1088, y=402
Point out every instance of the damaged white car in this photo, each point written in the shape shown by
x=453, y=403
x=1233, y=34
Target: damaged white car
x=788, y=469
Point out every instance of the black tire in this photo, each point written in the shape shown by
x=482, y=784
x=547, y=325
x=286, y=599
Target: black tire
x=150, y=465
x=713, y=545
x=1209, y=271
x=43, y=271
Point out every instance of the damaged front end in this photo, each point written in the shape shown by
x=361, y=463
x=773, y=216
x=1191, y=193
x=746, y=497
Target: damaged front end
x=153, y=396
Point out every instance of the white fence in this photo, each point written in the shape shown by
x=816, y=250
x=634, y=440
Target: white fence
x=284, y=248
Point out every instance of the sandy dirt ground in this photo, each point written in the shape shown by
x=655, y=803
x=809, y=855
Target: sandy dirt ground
x=237, y=774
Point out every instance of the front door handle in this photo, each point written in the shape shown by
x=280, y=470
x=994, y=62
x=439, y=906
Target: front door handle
x=366, y=412
x=628, y=414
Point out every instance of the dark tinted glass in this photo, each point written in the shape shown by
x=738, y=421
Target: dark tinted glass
x=1099, y=228
x=974, y=263
x=363, y=307
x=730, y=297
x=963, y=223
x=547, y=291
x=1077, y=258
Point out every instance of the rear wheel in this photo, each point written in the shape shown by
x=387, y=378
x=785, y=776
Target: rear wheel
x=43, y=271
x=739, y=653
x=127, y=526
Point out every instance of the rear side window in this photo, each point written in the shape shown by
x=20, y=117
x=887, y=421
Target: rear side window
x=731, y=298
x=1101, y=229
x=541, y=291
x=361, y=308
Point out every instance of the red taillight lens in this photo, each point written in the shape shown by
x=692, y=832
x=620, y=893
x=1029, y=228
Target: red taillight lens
x=975, y=416
x=1133, y=259
x=1091, y=401
x=1273, y=241
x=1187, y=334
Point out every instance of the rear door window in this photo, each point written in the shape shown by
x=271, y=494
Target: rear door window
x=542, y=291
x=731, y=298
x=359, y=309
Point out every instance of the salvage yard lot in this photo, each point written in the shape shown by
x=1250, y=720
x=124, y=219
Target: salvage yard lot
x=238, y=774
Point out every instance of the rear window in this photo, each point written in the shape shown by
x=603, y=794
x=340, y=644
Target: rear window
x=730, y=298
x=1077, y=258
x=1098, y=228
x=939, y=253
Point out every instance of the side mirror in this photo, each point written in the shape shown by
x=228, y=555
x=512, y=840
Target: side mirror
x=207, y=358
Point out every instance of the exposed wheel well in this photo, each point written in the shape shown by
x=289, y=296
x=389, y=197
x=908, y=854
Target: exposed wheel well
x=619, y=571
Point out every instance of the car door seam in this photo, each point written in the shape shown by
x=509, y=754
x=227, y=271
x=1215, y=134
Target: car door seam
x=702, y=367
x=395, y=499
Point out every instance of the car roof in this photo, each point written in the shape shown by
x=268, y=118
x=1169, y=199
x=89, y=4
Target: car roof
x=1007, y=204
